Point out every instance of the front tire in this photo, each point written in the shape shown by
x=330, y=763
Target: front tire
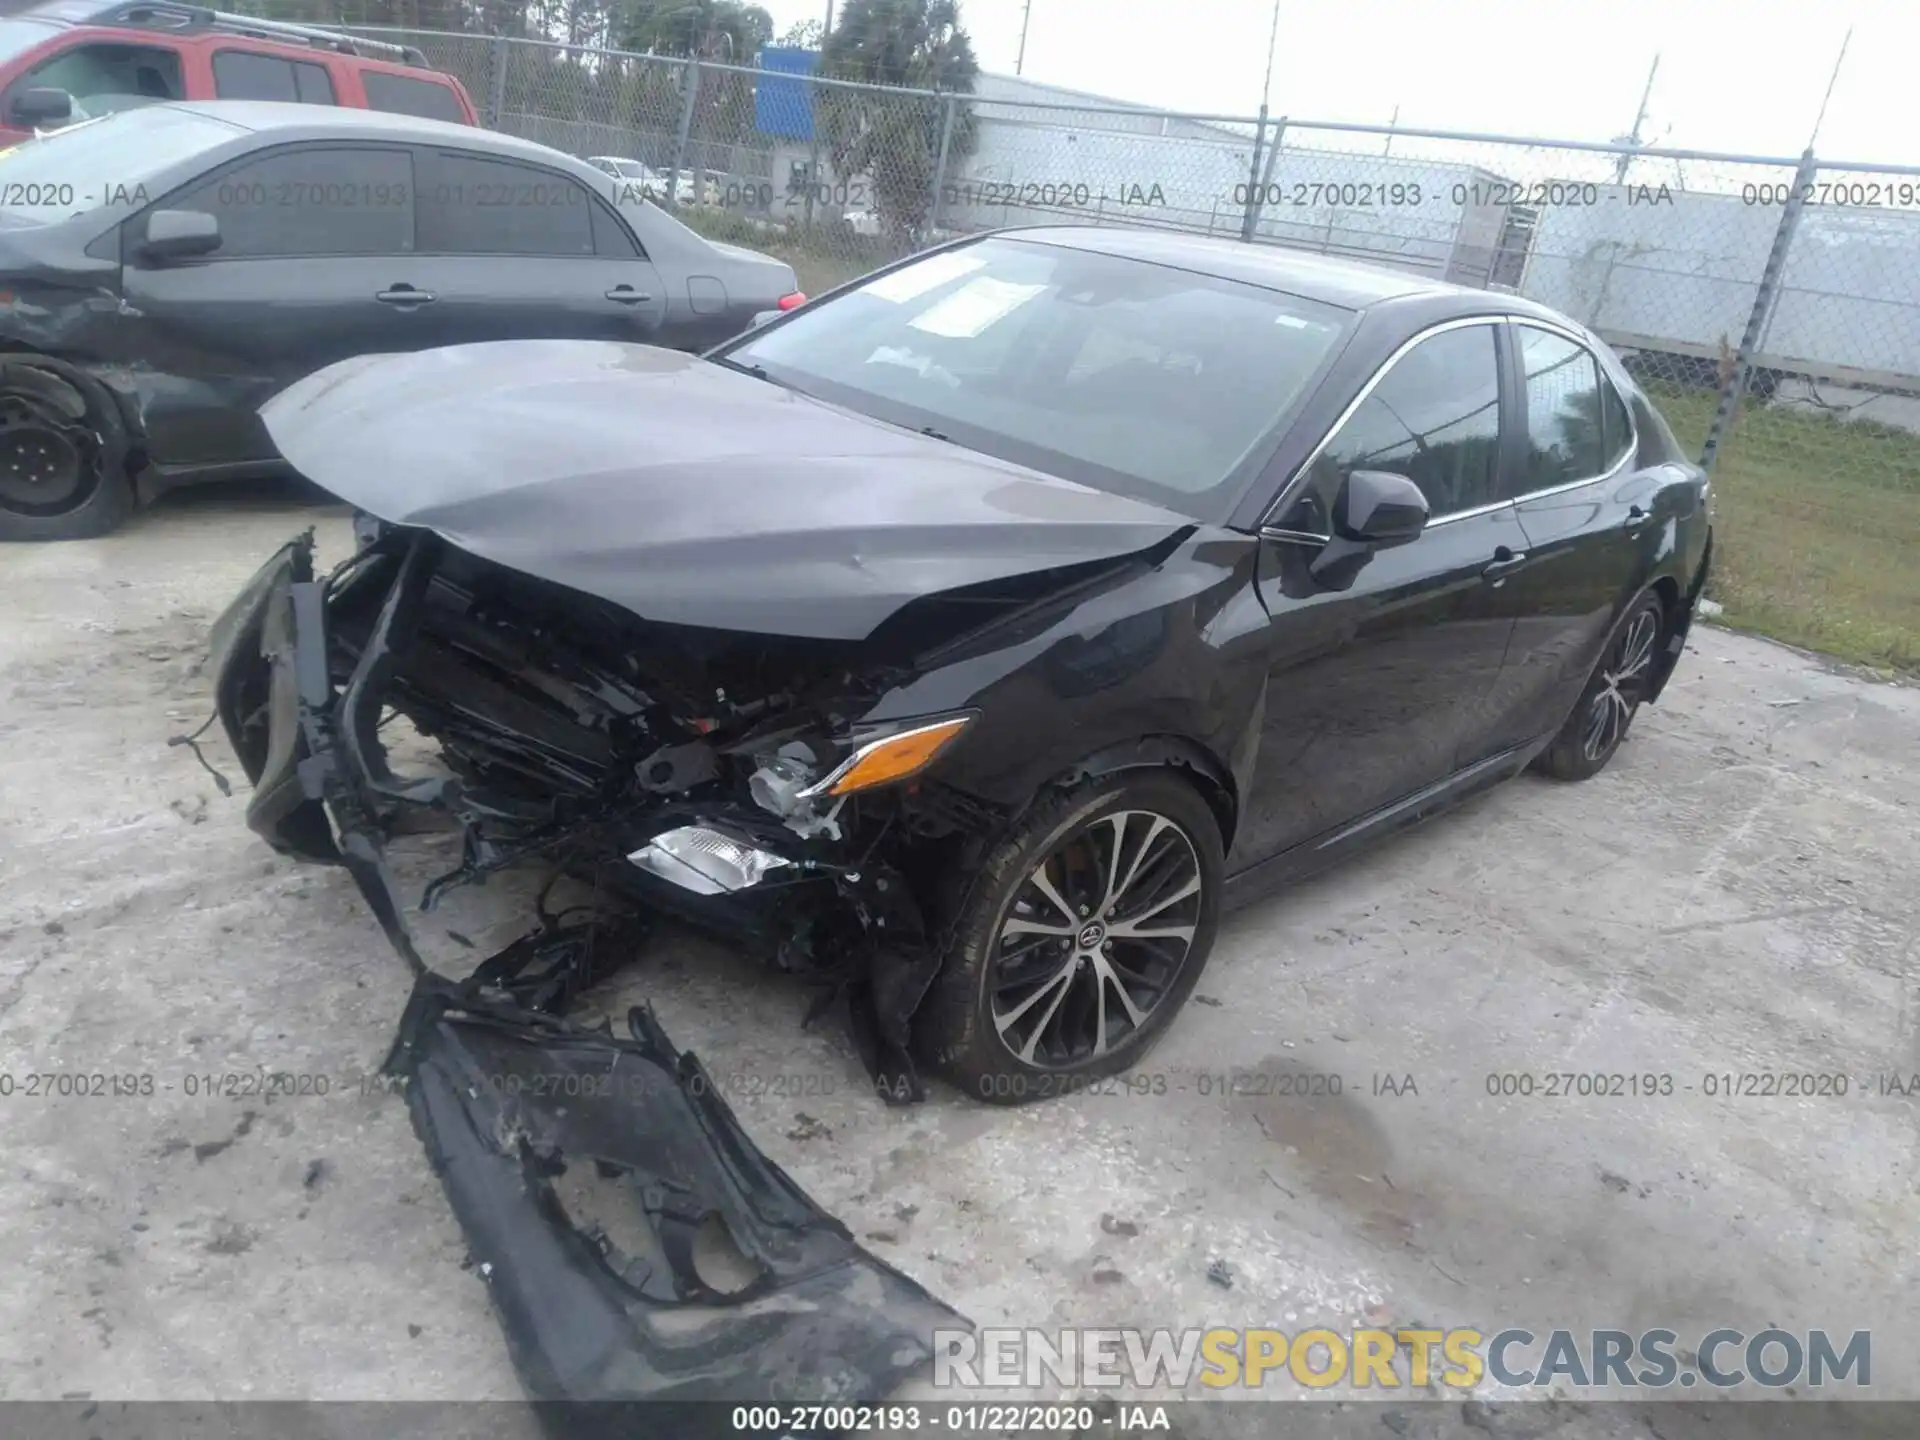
x=1598, y=726
x=1083, y=934
x=63, y=456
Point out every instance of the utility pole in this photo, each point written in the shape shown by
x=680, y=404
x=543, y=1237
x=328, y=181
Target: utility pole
x=1273, y=38
x=1832, y=80
x=1639, y=119
x=1026, y=15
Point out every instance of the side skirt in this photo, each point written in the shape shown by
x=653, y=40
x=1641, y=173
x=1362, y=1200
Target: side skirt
x=1327, y=849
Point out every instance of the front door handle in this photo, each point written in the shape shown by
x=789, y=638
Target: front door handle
x=1505, y=562
x=405, y=296
x=627, y=295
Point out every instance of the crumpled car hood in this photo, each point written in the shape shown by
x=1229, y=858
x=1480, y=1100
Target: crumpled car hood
x=683, y=491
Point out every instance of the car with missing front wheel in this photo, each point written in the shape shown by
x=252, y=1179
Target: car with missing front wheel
x=167, y=269
x=967, y=640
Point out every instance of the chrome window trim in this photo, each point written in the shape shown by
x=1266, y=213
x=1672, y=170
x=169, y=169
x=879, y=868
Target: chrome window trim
x=1292, y=487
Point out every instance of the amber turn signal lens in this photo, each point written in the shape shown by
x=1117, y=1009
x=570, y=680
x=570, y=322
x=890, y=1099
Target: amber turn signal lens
x=895, y=757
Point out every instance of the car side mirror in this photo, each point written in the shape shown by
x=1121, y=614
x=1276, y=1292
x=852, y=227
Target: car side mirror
x=1379, y=509
x=176, y=234
x=41, y=105
x=1373, y=510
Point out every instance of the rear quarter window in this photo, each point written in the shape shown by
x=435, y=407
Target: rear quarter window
x=404, y=95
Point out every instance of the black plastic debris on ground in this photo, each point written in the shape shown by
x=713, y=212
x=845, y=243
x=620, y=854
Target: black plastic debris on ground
x=637, y=1246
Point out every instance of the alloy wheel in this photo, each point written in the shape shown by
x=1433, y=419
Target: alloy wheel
x=1623, y=681
x=1095, y=939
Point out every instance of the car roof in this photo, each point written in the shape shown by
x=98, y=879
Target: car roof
x=306, y=122
x=1349, y=284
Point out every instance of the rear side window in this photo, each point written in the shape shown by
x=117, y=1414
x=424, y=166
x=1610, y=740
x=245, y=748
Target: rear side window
x=347, y=200
x=474, y=205
x=610, y=238
x=402, y=95
x=245, y=75
x=1576, y=422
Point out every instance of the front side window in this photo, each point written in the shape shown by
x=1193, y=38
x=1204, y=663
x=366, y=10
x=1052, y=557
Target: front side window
x=1434, y=417
x=351, y=200
x=106, y=77
x=1129, y=376
x=246, y=75
x=1577, y=425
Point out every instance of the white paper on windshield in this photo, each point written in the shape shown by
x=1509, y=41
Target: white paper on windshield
x=974, y=306
x=913, y=281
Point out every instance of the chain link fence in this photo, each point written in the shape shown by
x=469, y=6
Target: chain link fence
x=1771, y=305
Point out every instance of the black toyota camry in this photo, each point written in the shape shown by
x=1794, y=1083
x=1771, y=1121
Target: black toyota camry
x=968, y=638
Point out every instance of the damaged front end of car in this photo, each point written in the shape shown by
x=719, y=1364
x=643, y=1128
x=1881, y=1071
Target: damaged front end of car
x=720, y=777
x=597, y=1175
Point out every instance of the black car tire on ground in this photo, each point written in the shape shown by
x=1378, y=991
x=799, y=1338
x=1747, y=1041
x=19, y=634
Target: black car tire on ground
x=63, y=456
x=1167, y=879
x=1599, y=723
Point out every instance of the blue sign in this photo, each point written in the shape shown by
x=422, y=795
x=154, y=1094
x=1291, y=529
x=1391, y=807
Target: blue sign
x=783, y=107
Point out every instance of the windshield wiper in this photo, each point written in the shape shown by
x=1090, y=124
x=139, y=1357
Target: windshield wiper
x=754, y=370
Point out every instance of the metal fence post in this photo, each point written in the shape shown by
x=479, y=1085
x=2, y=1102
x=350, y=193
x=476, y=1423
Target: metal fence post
x=686, y=130
x=1253, y=175
x=497, y=89
x=940, y=166
x=1265, y=181
x=1765, y=297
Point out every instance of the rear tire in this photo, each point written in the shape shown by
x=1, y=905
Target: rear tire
x=1083, y=934
x=1599, y=723
x=63, y=456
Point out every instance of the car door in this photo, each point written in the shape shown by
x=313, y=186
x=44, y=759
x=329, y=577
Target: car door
x=516, y=251
x=1372, y=690
x=1584, y=509
x=311, y=236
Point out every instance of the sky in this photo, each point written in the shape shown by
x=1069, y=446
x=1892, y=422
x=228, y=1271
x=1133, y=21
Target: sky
x=1738, y=75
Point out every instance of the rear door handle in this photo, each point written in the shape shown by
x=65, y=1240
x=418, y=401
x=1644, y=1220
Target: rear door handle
x=1505, y=562
x=405, y=296
x=627, y=295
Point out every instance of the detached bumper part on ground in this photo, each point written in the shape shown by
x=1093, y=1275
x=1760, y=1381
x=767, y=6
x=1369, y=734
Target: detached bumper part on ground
x=607, y=1191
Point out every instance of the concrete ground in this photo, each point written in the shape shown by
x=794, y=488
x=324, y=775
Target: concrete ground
x=1735, y=895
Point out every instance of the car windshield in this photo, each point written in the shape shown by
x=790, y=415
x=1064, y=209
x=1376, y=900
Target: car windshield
x=1132, y=377
x=108, y=161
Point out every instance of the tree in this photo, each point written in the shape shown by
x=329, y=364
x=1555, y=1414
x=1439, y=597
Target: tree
x=894, y=140
x=802, y=36
x=727, y=31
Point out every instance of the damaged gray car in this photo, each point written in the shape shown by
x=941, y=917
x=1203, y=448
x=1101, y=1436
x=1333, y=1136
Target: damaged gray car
x=166, y=270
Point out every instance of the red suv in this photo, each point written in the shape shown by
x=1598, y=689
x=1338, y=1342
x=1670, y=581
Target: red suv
x=74, y=60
